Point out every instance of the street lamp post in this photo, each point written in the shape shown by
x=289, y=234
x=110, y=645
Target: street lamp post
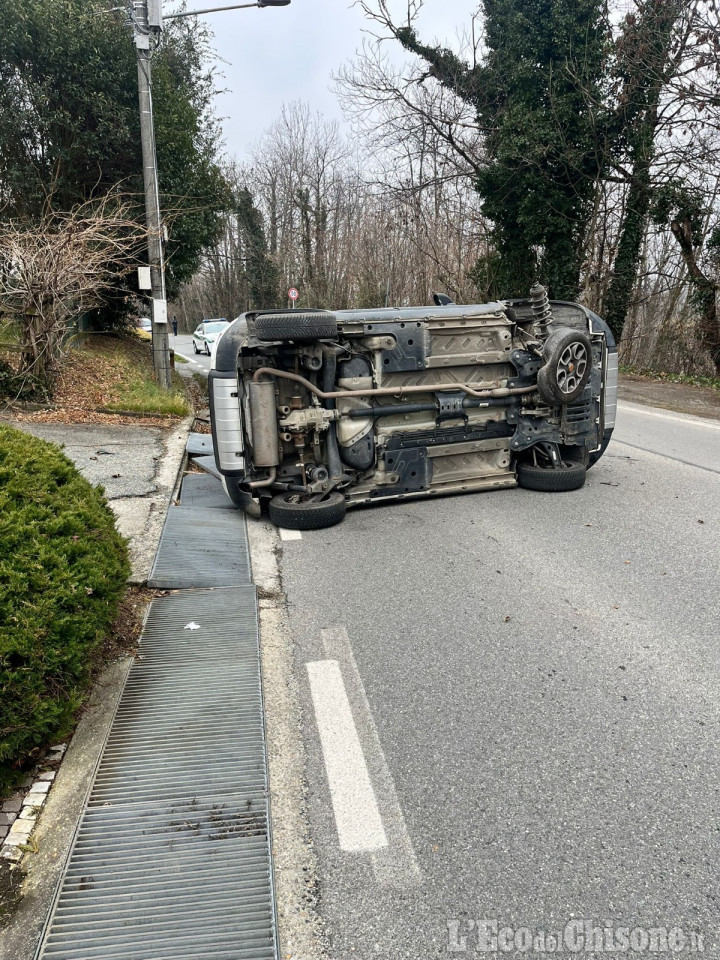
x=147, y=20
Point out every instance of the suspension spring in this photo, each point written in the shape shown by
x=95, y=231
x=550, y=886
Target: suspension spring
x=542, y=314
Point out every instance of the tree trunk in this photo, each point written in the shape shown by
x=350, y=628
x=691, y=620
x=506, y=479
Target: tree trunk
x=706, y=292
x=623, y=281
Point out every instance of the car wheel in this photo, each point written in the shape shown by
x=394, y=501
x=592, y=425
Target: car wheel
x=195, y=349
x=568, y=476
x=296, y=512
x=297, y=326
x=568, y=361
x=207, y=349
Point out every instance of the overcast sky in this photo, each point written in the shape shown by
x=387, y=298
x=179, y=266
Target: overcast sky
x=276, y=55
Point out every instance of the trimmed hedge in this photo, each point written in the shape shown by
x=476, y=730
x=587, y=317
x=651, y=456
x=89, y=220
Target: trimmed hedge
x=63, y=569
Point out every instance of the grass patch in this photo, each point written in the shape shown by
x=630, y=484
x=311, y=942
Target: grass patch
x=711, y=383
x=63, y=568
x=179, y=359
x=114, y=372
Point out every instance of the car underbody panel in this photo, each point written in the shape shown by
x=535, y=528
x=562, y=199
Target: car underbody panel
x=410, y=402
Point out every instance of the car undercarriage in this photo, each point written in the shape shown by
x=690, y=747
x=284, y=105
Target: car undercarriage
x=314, y=411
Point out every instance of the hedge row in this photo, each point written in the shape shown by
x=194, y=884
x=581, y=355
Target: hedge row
x=63, y=568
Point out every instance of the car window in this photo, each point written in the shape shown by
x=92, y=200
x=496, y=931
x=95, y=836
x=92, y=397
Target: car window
x=216, y=327
x=199, y=331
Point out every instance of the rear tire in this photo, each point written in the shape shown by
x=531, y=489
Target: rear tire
x=297, y=326
x=290, y=511
x=570, y=476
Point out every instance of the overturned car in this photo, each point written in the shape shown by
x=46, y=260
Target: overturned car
x=313, y=411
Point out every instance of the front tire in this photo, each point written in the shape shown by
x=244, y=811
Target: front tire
x=293, y=512
x=195, y=349
x=569, y=476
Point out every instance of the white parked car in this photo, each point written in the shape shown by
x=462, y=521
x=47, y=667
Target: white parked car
x=207, y=333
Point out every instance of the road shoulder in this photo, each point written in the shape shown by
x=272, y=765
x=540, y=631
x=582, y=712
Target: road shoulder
x=680, y=397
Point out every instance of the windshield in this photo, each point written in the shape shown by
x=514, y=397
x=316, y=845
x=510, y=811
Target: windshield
x=216, y=326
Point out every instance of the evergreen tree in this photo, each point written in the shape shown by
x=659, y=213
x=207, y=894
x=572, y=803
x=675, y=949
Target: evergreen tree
x=260, y=271
x=532, y=97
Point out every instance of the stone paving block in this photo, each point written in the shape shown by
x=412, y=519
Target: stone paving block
x=12, y=805
x=47, y=775
x=33, y=799
x=40, y=786
x=28, y=813
x=11, y=852
x=7, y=819
x=3, y=832
x=20, y=831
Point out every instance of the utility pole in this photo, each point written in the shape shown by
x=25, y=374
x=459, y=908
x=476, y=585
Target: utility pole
x=147, y=20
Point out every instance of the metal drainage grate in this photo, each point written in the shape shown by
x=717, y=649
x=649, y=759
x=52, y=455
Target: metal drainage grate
x=208, y=464
x=204, y=490
x=172, y=856
x=203, y=547
x=199, y=444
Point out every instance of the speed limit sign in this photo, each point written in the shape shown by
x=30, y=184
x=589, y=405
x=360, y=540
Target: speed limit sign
x=293, y=294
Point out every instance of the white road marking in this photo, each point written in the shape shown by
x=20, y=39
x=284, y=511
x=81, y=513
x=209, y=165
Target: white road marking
x=290, y=534
x=357, y=817
x=394, y=865
x=678, y=418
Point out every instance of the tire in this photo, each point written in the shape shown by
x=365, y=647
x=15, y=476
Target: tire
x=568, y=362
x=571, y=476
x=195, y=349
x=296, y=326
x=207, y=349
x=289, y=511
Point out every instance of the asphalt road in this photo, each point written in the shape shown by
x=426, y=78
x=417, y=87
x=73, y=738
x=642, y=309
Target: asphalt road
x=528, y=692
x=183, y=345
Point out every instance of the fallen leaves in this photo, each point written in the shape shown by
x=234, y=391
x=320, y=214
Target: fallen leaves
x=92, y=378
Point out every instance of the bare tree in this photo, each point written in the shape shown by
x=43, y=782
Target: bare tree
x=58, y=267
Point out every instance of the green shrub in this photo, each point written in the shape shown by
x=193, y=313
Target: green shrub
x=63, y=568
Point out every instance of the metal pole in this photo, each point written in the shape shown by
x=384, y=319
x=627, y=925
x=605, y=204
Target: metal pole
x=160, y=338
x=197, y=13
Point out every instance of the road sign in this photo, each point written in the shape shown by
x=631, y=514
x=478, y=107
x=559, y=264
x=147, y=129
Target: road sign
x=293, y=294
